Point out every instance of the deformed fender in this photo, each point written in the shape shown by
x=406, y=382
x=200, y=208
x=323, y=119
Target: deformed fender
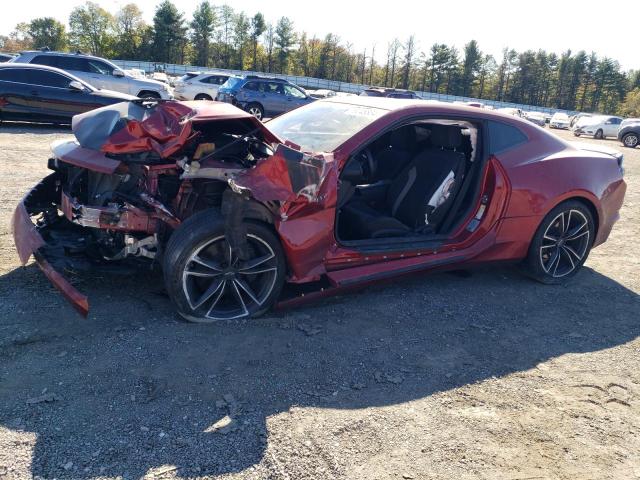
x=305, y=188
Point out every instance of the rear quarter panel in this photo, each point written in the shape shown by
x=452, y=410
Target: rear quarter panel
x=540, y=180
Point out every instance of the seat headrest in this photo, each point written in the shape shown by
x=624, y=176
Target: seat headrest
x=446, y=136
x=403, y=138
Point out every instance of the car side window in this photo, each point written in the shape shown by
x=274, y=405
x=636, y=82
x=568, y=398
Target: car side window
x=94, y=66
x=616, y=121
x=253, y=86
x=293, y=91
x=13, y=75
x=72, y=63
x=503, y=137
x=47, y=79
x=274, y=87
x=49, y=60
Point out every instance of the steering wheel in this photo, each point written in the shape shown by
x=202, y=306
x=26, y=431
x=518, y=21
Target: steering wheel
x=369, y=165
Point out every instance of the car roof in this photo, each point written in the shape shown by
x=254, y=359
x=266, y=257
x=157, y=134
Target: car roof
x=62, y=54
x=36, y=66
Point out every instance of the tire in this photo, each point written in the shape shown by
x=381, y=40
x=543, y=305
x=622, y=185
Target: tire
x=576, y=134
x=631, y=140
x=599, y=135
x=553, y=258
x=203, y=96
x=149, y=94
x=256, y=110
x=207, y=283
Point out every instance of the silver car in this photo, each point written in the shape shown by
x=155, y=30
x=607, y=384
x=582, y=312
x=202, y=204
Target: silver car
x=199, y=85
x=601, y=126
x=97, y=72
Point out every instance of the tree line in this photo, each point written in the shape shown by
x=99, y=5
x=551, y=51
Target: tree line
x=219, y=36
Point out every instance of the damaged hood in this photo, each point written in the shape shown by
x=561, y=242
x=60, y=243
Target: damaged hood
x=162, y=127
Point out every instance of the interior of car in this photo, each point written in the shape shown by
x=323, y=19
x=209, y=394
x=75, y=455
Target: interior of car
x=415, y=180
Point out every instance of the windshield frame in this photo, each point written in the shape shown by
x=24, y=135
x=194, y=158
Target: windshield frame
x=332, y=101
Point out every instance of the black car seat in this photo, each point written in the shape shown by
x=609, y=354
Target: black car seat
x=419, y=196
x=399, y=152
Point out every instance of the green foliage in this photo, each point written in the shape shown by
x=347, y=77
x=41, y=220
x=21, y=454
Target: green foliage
x=170, y=33
x=631, y=105
x=130, y=30
x=203, y=26
x=47, y=32
x=91, y=29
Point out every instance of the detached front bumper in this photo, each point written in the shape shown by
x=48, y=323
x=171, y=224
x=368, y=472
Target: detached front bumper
x=29, y=241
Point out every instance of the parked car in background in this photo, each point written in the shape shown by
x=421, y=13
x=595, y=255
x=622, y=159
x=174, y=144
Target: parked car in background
x=5, y=57
x=98, y=72
x=537, y=118
x=262, y=96
x=321, y=93
x=559, y=120
x=198, y=85
x=578, y=117
x=600, y=126
x=388, y=92
x=36, y=93
x=629, y=133
x=516, y=112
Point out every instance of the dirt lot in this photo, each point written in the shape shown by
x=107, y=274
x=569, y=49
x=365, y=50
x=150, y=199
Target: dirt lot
x=487, y=376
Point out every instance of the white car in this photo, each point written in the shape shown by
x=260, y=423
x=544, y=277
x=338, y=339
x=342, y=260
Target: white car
x=601, y=126
x=559, y=120
x=97, y=72
x=199, y=85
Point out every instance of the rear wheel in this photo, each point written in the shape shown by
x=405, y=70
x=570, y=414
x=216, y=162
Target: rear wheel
x=150, y=95
x=599, y=135
x=208, y=282
x=630, y=140
x=203, y=96
x=561, y=244
x=256, y=110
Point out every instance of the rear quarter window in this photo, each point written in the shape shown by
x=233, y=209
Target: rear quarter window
x=503, y=137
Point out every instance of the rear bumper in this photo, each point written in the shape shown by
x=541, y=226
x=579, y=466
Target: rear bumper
x=29, y=241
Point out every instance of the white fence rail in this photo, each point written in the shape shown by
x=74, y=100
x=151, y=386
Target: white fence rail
x=321, y=83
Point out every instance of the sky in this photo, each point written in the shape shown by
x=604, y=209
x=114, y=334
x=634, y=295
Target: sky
x=550, y=25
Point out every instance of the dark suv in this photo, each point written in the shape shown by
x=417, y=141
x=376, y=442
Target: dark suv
x=388, y=92
x=262, y=96
x=629, y=133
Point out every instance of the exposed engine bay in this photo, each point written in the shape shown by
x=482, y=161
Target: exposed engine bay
x=136, y=172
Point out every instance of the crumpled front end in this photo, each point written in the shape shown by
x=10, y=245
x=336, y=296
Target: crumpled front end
x=29, y=241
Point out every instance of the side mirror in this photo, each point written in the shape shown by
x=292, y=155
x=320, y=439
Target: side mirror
x=77, y=86
x=118, y=73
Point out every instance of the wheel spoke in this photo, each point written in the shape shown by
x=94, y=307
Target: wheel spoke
x=556, y=261
x=571, y=251
x=257, y=271
x=210, y=264
x=217, y=299
x=240, y=299
x=244, y=286
x=209, y=292
x=251, y=264
x=577, y=232
x=554, y=258
x=550, y=238
x=562, y=224
x=567, y=254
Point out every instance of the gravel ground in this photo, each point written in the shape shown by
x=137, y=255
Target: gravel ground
x=487, y=375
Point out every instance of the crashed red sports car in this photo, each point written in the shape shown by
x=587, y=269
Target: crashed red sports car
x=341, y=193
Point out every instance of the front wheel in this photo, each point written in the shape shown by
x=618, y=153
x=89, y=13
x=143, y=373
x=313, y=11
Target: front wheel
x=256, y=110
x=630, y=140
x=561, y=244
x=203, y=96
x=599, y=135
x=206, y=279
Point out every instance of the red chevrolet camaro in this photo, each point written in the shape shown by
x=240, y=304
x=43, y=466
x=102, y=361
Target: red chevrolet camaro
x=341, y=193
